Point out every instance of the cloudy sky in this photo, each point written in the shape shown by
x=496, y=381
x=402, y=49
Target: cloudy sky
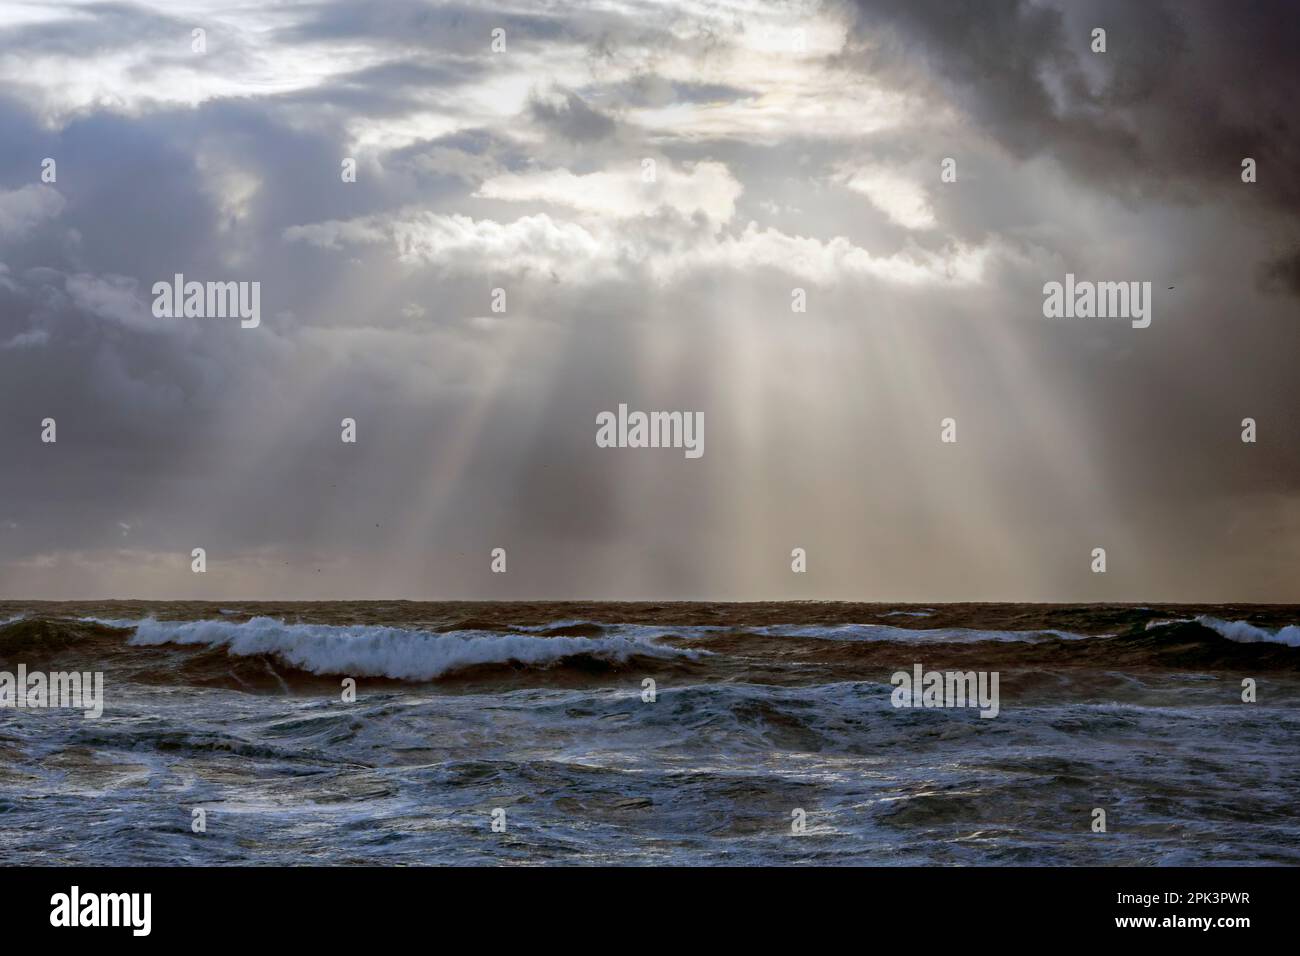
x=795, y=146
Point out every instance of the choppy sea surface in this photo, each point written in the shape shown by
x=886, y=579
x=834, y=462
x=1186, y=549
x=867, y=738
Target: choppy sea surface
x=765, y=719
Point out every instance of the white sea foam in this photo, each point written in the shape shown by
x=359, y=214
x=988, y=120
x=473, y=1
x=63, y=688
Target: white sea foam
x=553, y=625
x=1245, y=633
x=394, y=652
x=120, y=623
x=1165, y=622
x=639, y=631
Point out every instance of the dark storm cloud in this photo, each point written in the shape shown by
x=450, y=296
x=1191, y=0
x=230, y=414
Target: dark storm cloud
x=133, y=404
x=477, y=427
x=1182, y=94
x=1282, y=275
x=146, y=410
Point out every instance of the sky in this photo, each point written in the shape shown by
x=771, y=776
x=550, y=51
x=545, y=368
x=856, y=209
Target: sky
x=562, y=207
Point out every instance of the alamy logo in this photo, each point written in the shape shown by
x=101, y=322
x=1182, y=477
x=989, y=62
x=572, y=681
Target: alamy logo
x=103, y=909
x=923, y=688
x=651, y=430
x=1102, y=300
x=36, y=690
x=208, y=300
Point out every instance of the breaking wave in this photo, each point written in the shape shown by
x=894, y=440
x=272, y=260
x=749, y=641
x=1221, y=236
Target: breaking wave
x=391, y=652
x=1244, y=633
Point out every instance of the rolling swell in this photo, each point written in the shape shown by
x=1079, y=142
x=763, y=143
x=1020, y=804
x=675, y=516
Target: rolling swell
x=266, y=646
x=1182, y=645
x=265, y=653
x=39, y=639
x=759, y=708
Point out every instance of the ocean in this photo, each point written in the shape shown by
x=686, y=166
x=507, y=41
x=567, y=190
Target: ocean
x=652, y=734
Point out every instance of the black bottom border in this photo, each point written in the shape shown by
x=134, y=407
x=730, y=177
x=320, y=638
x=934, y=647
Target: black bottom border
x=310, y=904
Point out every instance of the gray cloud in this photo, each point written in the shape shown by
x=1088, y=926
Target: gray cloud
x=524, y=171
x=1282, y=274
x=1183, y=92
x=572, y=118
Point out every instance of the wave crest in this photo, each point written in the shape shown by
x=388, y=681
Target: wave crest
x=392, y=652
x=1244, y=633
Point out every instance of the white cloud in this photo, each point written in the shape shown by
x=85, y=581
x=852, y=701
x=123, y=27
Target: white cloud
x=707, y=188
x=659, y=249
x=838, y=259
x=902, y=200
x=162, y=70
